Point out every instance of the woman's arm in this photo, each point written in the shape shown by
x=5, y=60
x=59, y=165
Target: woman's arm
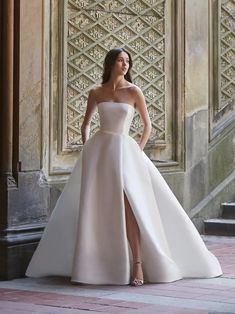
x=90, y=110
x=142, y=109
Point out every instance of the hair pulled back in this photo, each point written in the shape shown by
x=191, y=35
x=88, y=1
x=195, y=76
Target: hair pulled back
x=109, y=62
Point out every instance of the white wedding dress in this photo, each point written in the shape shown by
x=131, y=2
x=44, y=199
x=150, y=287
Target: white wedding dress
x=85, y=237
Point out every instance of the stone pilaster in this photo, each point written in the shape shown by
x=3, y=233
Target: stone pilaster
x=24, y=190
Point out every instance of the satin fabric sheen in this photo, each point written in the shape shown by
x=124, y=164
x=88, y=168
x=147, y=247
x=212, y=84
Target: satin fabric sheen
x=86, y=238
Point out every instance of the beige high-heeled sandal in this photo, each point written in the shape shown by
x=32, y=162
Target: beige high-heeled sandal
x=137, y=281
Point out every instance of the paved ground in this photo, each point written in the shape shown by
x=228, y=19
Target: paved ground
x=191, y=296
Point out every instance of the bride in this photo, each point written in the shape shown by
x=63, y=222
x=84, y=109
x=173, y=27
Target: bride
x=117, y=221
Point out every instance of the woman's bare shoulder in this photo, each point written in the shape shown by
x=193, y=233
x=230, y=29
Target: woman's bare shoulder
x=135, y=90
x=95, y=92
x=96, y=89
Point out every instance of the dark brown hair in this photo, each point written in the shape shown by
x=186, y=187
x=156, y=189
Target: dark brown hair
x=109, y=61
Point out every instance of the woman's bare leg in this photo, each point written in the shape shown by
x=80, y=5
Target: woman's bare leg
x=133, y=235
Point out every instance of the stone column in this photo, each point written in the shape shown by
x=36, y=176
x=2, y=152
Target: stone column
x=7, y=36
x=6, y=120
x=196, y=100
x=24, y=193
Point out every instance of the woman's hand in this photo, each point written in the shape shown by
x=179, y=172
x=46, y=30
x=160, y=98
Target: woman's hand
x=85, y=131
x=90, y=110
x=142, y=109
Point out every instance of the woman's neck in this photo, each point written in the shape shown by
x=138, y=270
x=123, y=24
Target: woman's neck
x=116, y=82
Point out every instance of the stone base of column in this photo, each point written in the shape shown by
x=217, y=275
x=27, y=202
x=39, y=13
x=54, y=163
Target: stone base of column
x=17, y=247
x=25, y=213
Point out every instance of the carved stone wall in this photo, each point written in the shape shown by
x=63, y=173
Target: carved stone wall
x=222, y=68
x=95, y=27
x=227, y=53
x=82, y=32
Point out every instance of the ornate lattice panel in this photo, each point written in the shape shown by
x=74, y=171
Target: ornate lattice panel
x=93, y=28
x=227, y=53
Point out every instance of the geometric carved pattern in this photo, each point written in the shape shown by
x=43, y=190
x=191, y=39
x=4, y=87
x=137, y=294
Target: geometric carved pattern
x=227, y=54
x=95, y=27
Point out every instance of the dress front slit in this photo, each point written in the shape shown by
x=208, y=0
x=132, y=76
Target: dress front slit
x=133, y=233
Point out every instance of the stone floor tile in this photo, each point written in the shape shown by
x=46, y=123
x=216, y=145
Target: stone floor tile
x=24, y=308
x=56, y=295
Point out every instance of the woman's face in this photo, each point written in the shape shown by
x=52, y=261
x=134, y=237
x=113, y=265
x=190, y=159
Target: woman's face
x=121, y=64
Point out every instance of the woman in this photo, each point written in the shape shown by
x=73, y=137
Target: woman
x=116, y=210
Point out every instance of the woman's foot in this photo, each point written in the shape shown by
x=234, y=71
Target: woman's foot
x=138, y=277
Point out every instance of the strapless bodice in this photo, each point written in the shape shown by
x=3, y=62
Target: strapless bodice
x=115, y=117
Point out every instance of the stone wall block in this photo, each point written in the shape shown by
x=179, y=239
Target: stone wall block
x=221, y=160
x=29, y=203
x=196, y=138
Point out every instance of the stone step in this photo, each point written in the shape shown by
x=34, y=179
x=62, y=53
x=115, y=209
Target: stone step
x=228, y=210
x=220, y=226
